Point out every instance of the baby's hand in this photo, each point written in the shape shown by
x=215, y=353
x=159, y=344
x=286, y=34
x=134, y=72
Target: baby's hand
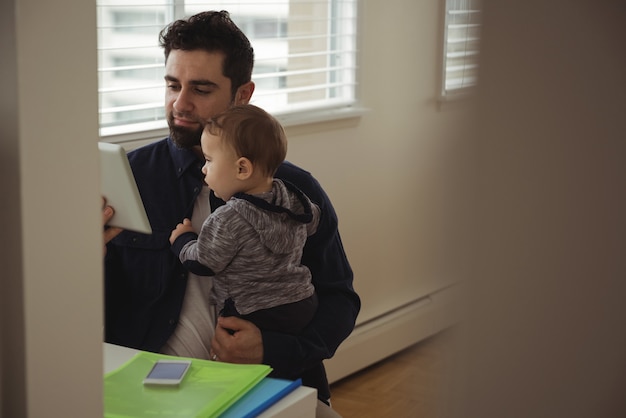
x=181, y=229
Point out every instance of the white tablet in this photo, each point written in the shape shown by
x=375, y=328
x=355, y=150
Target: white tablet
x=120, y=190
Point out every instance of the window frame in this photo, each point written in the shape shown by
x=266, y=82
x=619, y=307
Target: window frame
x=451, y=94
x=145, y=132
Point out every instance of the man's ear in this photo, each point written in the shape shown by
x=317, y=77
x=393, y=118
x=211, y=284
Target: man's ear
x=244, y=93
x=245, y=168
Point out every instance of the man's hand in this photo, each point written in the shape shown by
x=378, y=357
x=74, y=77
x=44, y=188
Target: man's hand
x=245, y=346
x=107, y=214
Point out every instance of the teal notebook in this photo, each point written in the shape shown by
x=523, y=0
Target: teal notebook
x=208, y=389
x=265, y=394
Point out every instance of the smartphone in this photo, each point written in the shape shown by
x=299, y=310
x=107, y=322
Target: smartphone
x=167, y=372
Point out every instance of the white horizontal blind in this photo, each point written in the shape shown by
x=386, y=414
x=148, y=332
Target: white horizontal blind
x=461, y=45
x=305, y=55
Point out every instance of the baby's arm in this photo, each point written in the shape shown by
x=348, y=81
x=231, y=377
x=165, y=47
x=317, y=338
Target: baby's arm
x=188, y=244
x=180, y=230
x=213, y=249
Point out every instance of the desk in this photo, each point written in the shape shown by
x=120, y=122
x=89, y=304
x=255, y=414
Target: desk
x=301, y=403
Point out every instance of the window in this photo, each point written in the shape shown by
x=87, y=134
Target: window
x=461, y=46
x=305, y=57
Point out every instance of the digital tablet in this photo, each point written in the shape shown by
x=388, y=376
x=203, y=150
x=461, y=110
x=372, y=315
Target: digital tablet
x=120, y=190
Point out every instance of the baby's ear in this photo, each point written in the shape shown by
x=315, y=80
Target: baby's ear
x=245, y=168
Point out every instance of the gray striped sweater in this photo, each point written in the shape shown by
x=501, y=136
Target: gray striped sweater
x=252, y=246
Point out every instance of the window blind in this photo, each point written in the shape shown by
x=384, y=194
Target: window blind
x=305, y=55
x=461, y=46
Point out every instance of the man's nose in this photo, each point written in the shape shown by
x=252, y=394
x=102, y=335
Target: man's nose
x=183, y=101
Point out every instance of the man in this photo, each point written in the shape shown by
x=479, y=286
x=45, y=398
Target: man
x=152, y=302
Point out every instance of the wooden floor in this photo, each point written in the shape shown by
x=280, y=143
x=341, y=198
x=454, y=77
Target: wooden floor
x=404, y=385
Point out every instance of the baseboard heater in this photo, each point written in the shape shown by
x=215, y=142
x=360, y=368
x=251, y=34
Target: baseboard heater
x=394, y=331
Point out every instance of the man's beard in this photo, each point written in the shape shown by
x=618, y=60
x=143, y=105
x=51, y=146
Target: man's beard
x=184, y=137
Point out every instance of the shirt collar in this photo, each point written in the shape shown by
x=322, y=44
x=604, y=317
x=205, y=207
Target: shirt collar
x=184, y=159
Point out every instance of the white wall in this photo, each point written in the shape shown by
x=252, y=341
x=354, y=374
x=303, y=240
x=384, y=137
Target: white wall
x=52, y=253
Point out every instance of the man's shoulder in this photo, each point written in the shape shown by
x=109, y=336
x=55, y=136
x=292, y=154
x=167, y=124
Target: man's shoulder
x=149, y=150
x=295, y=175
x=303, y=180
x=145, y=158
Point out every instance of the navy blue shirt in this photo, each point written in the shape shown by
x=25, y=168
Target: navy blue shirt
x=145, y=282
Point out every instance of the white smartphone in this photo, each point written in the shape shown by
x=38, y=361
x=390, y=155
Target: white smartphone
x=167, y=372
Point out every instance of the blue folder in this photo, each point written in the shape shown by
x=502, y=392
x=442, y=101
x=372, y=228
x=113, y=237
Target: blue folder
x=263, y=395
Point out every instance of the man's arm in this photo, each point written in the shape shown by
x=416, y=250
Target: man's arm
x=334, y=320
x=332, y=275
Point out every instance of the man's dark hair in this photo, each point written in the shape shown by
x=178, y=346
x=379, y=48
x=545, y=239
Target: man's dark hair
x=213, y=32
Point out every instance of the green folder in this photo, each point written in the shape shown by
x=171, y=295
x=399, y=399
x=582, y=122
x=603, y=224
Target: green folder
x=207, y=390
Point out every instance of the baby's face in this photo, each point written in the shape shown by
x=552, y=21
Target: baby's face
x=220, y=167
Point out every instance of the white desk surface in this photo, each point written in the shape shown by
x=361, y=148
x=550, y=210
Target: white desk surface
x=301, y=403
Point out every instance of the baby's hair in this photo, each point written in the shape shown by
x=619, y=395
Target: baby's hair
x=254, y=134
